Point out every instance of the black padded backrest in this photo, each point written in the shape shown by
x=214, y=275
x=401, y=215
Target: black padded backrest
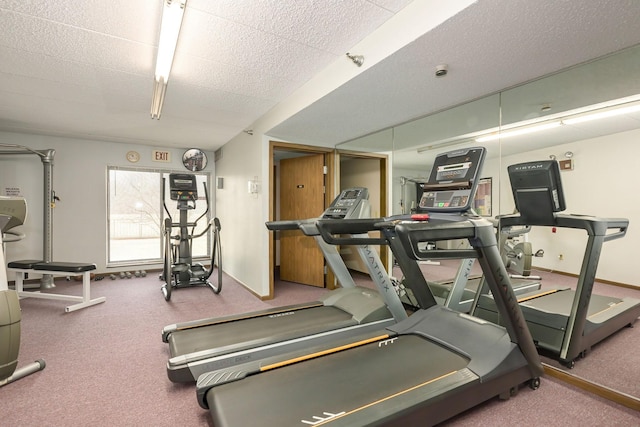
x=537, y=191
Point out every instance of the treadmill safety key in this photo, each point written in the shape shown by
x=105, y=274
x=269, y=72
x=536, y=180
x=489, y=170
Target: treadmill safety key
x=420, y=217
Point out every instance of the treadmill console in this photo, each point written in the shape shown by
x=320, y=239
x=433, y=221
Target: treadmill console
x=350, y=203
x=183, y=186
x=453, y=181
x=537, y=190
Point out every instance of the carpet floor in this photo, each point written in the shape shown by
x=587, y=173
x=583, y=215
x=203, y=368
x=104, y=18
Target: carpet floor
x=106, y=363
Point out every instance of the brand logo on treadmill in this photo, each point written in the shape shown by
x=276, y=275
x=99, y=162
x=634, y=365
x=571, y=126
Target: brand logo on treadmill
x=326, y=416
x=386, y=342
x=288, y=313
x=529, y=167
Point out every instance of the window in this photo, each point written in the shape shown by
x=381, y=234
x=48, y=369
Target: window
x=136, y=214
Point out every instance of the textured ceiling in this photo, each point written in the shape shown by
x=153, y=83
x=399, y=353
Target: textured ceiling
x=489, y=46
x=84, y=68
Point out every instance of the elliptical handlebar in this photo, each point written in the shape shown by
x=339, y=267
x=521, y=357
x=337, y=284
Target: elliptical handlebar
x=206, y=197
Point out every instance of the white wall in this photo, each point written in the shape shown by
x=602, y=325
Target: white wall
x=397, y=188
x=242, y=215
x=80, y=180
x=600, y=184
x=604, y=183
x=245, y=156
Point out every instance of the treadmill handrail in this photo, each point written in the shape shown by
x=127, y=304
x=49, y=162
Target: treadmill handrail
x=415, y=279
x=307, y=226
x=594, y=226
x=622, y=230
x=292, y=224
x=347, y=228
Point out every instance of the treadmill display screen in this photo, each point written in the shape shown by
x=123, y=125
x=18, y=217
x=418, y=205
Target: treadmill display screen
x=452, y=182
x=537, y=190
x=348, y=203
x=350, y=194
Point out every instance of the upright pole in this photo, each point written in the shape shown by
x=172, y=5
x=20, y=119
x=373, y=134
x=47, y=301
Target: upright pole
x=46, y=156
x=49, y=203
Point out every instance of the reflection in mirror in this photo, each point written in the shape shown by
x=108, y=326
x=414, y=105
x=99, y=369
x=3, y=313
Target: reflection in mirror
x=595, y=108
x=194, y=159
x=552, y=117
x=416, y=144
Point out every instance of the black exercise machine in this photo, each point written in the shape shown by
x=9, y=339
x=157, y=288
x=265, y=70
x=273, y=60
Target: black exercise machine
x=564, y=323
x=179, y=270
x=421, y=371
x=199, y=346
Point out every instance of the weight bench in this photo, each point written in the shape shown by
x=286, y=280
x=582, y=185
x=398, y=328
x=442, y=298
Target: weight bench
x=22, y=268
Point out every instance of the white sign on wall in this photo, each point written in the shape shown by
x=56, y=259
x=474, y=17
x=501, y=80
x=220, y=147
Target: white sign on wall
x=161, y=156
x=12, y=192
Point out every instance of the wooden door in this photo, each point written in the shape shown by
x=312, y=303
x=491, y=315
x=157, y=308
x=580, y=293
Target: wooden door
x=301, y=197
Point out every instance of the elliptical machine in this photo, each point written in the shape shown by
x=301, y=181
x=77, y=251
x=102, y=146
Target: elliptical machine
x=179, y=270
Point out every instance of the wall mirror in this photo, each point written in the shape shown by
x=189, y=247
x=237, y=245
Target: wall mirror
x=194, y=159
x=587, y=117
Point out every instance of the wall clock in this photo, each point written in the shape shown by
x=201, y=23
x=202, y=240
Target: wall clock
x=133, y=156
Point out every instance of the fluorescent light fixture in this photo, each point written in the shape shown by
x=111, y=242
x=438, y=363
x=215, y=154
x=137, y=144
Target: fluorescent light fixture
x=618, y=111
x=519, y=131
x=172, y=13
x=612, y=108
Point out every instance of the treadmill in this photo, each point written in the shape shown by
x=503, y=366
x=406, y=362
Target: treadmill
x=203, y=345
x=460, y=292
x=564, y=323
x=421, y=371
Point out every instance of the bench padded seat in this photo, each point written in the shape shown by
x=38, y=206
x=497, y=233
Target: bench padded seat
x=66, y=267
x=26, y=264
x=24, y=267
x=71, y=267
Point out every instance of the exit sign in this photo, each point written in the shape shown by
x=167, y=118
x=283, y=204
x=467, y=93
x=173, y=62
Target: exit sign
x=161, y=156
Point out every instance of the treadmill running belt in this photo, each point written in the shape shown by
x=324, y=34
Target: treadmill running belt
x=251, y=332
x=561, y=302
x=344, y=382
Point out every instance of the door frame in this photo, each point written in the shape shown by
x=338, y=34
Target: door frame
x=330, y=184
x=384, y=187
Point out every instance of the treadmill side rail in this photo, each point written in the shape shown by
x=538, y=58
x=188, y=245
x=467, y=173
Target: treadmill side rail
x=481, y=236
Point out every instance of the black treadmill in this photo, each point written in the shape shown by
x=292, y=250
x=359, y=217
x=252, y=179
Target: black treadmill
x=564, y=323
x=203, y=345
x=460, y=292
x=421, y=371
